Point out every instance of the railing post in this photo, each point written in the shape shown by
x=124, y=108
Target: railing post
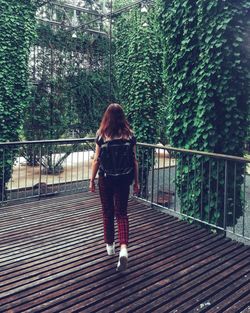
x=153, y=169
x=225, y=199
x=40, y=171
x=3, y=178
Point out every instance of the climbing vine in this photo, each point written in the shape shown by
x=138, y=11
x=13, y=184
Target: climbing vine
x=205, y=70
x=17, y=32
x=138, y=71
x=70, y=76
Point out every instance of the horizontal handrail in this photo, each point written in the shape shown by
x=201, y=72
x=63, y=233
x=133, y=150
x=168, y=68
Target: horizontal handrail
x=202, y=153
x=50, y=141
x=166, y=147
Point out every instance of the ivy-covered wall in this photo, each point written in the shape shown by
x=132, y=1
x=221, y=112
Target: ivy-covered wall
x=70, y=76
x=138, y=70
x=206, y=64
x=16, y=34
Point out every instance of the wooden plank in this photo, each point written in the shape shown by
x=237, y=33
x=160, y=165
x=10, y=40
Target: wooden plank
x=231, y=297
x=63, y=226
x=233, y=277
x=96, y=265
x=94, y=255
x=241, y=306
x=140, y=272
x=81, y=233
x=13, y=267
x=153, y=279
x=174, y=279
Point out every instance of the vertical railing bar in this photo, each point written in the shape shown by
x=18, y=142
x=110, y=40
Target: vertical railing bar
x=88, y=167
x=12, y=164
x=181, y=173
x=66, y=169
x=195, y=162
x=26, y=174
x=244, y=201
x=60, y=168
x=53, y=158
x=217, y=188
x=83, y=147
x=225, y=198
x=40, y=170
x=188, y=178
x=153, y=170
x=234, y=218
x=175, y=175
x=18, y=179
x=47, y=169
x=11, y=177
x=142, y=169
x=77, y=165
x=71, y=170
x=202, y=176
x=146, y=174
x=148, y=169
x=163, y=177
x=33, y=168
x=169, y=180
x=158, y=175
x=3, y=176
x=209, y=190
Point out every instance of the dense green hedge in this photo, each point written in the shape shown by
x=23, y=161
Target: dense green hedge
x=206, y=57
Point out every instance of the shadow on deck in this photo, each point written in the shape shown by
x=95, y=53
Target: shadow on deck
x=53, y=260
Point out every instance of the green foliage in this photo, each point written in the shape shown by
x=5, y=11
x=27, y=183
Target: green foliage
x=138, y=71
x=90, y=94
x=71, y=76
x=16, y=34
x=206, y=59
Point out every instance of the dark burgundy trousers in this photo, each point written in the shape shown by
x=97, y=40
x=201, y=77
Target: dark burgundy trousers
x=114, y=199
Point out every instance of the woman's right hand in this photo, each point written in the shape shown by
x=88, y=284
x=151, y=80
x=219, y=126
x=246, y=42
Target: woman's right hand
x=136, y=188
x=92, y=186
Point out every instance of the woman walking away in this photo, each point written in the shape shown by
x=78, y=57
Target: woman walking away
x=115, y=158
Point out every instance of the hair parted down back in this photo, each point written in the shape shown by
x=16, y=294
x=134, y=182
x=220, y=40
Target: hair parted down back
x=114, y=123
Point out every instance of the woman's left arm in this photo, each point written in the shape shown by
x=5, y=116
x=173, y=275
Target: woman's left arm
x=95, y=167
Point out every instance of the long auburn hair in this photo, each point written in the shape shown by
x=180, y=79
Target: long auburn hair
x=114, y=123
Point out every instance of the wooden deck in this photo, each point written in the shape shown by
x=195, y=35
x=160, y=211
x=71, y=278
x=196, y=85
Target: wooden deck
x=52, y=259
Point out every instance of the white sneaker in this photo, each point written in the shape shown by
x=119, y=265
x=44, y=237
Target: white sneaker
x=110, y=249
x=123, y=261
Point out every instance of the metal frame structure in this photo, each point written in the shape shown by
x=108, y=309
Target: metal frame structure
x=98, y=15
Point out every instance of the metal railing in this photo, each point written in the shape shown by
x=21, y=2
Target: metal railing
x=207, y=188
x=34, y=169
